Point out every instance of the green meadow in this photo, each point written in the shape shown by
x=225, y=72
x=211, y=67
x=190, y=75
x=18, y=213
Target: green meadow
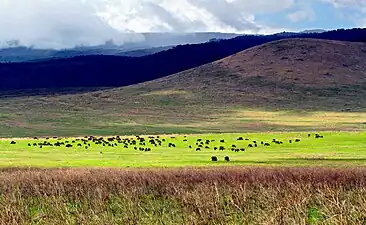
x=335, y=149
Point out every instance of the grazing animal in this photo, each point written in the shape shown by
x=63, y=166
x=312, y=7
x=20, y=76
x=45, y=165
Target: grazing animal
x=12, y=142
x=69, y=146
x=240, y=138
x=222, y=148
x=214, y=159
x=290, y=141
x=309, y=135
x=222, y=141
x=29, y=145
x=227, y=159
x=297, y=140
x=198, y=149
x=215, y=148
x=250, y=146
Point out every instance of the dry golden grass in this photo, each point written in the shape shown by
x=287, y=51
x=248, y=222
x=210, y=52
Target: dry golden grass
x=183, y=196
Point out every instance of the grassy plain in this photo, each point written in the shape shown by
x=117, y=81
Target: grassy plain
x=212, y=195
x=335, y=149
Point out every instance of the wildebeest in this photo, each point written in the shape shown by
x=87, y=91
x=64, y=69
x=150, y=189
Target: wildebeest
x=227, y=159
x=12, y=142
x=214, y=159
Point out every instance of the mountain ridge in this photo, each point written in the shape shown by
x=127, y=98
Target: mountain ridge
x=114, y=71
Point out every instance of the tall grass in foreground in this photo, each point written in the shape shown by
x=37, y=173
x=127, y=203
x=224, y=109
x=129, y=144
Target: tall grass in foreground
x=183, y=196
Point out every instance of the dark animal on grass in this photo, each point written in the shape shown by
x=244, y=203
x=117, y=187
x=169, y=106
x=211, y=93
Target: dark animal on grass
x=222, y=148
x=222, y=141
x=214, y=159
x=240, y=139
x=234, y=146
x=215, y=148
x=255, y=145
x=207, y=147
x=227, y=158
x=250, y=146
x=309, y=135
x=198, y=149
x=79, y=145
x=69, y=146
x=290, y=141
x=242, y=149
x=297, y=140
x=12, y=142
x=190, y=146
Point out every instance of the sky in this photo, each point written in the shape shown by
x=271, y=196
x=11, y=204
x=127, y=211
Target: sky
x=67, y=23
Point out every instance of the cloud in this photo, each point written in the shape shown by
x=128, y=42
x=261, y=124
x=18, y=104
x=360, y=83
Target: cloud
x=55, y=24
x=189, y=15
x=67, y=23
x=302, y=15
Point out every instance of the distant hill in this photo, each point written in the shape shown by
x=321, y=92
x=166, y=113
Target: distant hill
x=114, y=71
x=289, y=74
x=153, y=43
x=284, y=85
x=23, y=54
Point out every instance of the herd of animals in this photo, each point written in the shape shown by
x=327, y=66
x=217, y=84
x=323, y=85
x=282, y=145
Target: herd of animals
x=139, y=143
